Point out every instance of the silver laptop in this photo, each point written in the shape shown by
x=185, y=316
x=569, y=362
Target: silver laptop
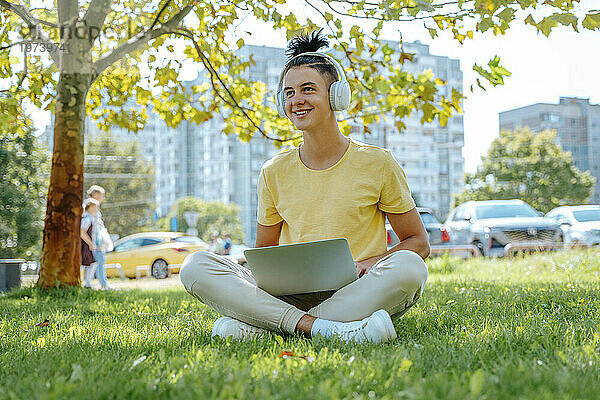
x=302, y=267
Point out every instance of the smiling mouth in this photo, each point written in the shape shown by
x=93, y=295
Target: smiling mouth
x=301, y=113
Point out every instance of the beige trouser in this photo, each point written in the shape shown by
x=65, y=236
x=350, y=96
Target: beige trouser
x=394, y=284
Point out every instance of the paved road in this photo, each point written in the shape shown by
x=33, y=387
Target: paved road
x=142, y=283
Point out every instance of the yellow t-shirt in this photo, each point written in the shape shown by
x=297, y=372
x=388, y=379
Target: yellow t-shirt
x=344, y=200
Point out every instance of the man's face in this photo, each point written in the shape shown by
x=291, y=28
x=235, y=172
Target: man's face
x=306, y=97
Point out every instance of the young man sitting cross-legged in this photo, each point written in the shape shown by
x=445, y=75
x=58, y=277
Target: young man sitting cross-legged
x=328, y=187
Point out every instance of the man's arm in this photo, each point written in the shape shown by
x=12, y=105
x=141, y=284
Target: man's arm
x=265, y=236
x=412, y=234
x=268, y=235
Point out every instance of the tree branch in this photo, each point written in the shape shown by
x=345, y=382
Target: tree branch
x=460, y=13
x=67, y=10
x=25, y=71
x=32, y=23
x=157, y=18
x=435, y=5
x=137, y=42
x=22, y=42
x=96, y=14
x=233, y=103
x=346, y=52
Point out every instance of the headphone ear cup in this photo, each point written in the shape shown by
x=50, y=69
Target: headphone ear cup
x=280, y=104
x=340, y=95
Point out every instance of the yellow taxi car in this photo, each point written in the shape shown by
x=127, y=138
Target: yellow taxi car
x=151, y=253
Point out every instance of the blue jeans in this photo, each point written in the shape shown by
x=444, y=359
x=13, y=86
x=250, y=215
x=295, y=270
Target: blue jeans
x=100, y=271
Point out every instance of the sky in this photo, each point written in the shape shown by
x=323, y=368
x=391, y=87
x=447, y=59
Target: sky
x=543, y=69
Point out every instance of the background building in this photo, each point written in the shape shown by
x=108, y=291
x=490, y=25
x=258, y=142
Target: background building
x=577, y=126
x=430, y=154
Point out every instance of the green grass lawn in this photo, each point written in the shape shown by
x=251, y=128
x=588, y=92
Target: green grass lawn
x=498, y=329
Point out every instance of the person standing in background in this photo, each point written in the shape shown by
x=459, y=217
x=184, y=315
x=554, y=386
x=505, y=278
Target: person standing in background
x=96, y=192
x=216, y=244
x=226, y=244
x=90, y=211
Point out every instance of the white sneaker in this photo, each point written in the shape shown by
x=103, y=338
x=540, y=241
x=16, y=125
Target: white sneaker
x=109, y=287
x=376, y=328
x=225, y=327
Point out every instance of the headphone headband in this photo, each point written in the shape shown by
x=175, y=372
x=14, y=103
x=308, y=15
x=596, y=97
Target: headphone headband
x=339, y=91
x=335, y=64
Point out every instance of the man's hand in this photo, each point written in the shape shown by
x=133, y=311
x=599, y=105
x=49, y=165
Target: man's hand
x=365, y=266
x=241, y=260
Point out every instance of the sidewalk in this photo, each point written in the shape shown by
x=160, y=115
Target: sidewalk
x=142, y=283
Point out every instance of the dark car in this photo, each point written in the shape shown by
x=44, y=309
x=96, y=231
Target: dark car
x=435, y=230
x=491, y=225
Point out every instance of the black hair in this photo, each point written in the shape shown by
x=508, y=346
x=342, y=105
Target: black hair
x=303, y=43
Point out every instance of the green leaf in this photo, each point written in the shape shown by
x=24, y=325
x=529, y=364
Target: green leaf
x=428, y=113
x=566, y=19
x=377, y=29
x=460, y=37
x=406, y=56
x=484, y=24
x=546, y=24
x=496, y=73
x=592, y=21
x=443, y=118
x=529, y=20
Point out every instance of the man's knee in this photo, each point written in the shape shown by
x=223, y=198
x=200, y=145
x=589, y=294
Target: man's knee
x=193, y=269
x=412, y=271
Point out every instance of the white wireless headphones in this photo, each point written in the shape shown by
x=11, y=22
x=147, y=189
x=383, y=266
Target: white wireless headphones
x=339, y=91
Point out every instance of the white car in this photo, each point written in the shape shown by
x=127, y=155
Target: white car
x=580, y=224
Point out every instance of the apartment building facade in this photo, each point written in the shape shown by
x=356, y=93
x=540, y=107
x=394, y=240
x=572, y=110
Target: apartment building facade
x=430, y=154
x=577, y=125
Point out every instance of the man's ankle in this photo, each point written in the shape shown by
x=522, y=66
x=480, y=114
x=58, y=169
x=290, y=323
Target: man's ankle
x=305, y=324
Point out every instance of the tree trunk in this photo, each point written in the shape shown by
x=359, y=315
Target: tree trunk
x=61, y=251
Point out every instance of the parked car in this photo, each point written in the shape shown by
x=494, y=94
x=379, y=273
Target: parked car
x=157, y=250
x=491, y=225
x=435, y=230
x=580, y=224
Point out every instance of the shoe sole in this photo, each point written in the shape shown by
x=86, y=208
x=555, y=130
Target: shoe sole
x=383, y=321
